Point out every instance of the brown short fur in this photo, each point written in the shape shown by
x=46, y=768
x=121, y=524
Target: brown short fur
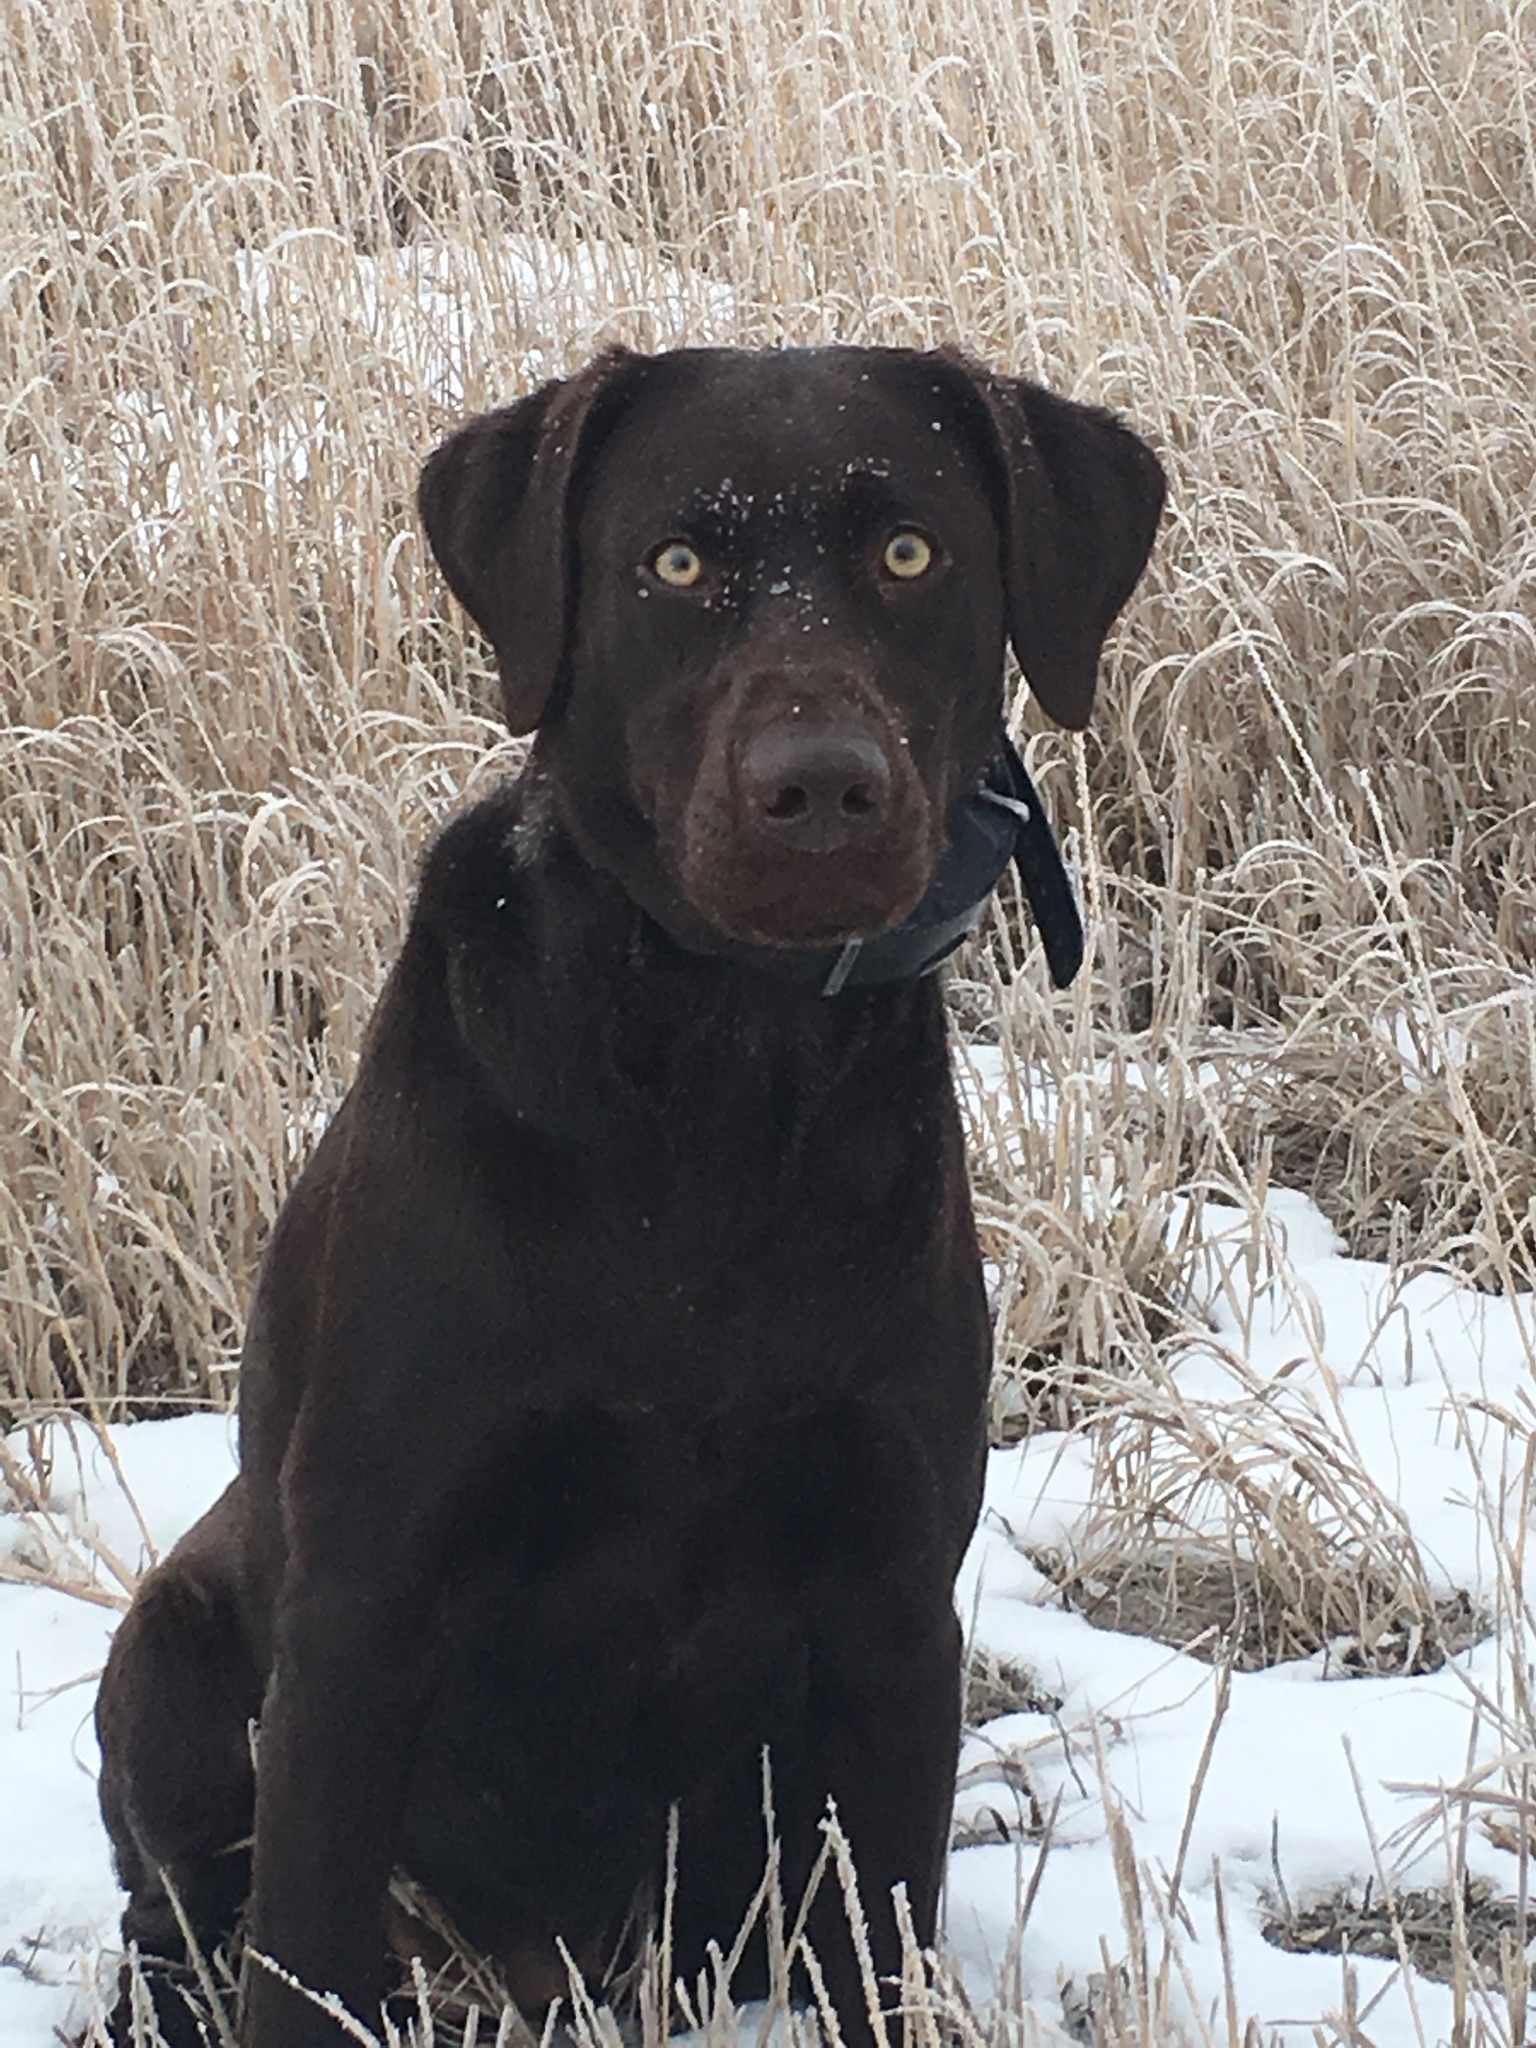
x=613, y=1404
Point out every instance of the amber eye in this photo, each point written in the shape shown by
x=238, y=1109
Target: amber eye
x=907, y=554
x=677, y=564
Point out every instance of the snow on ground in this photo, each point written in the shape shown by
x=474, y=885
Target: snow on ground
x=58, y=1898
x=1410, y=1376
x=1136, y=1716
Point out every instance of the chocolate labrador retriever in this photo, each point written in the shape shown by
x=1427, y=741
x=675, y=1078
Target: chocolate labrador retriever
x=612, y=1413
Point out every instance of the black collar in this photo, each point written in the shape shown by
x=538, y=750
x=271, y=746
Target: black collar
x=1002, y=820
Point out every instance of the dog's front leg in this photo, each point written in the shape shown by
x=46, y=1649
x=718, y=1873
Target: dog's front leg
x=338, y=1729
x=883, y=1740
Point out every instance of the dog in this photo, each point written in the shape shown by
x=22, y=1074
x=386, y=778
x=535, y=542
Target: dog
x=612, y=1414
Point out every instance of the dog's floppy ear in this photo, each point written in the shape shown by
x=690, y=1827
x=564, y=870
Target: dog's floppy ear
x=1084, y=496
x=495, y=501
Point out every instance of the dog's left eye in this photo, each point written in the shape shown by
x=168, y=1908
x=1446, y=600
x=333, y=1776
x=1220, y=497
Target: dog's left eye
x=908, y=554
x=677, y=564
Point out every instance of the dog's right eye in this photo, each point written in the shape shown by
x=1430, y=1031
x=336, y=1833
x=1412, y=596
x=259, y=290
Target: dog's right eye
x=677, y=564
x=908, y=554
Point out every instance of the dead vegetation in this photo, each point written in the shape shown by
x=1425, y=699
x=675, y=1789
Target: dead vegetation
x=996, y=1685
x=257, y=257
x=1441, y=1932
x=1233, y=1610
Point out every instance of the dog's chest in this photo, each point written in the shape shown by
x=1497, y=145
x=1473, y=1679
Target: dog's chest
x=731, y=1235
x=739, y=1105
x=649, y=1578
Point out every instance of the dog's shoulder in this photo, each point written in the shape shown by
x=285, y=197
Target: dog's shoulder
x=485, y=876
x=502, y=926
x=482, y=851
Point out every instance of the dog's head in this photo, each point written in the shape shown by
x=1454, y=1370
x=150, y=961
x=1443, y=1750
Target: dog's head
x=756, y=604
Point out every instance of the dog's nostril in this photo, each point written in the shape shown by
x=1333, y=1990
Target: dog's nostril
x=791, y=802
x=859, y=800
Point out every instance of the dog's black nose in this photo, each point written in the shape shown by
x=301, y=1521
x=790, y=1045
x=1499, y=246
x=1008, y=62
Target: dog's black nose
x=815, y=788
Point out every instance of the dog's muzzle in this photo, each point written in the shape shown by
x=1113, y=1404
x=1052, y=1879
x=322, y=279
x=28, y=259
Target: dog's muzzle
x=1001, y=821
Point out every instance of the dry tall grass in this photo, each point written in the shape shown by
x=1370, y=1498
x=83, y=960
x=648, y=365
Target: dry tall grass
x=255, y=257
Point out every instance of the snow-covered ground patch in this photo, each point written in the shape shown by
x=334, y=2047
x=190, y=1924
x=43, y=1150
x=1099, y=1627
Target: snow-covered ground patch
x=59, y=1901
x=1257, y=1786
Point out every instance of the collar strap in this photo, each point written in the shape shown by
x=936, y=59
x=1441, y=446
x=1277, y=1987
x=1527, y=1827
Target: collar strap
x=1002, y=820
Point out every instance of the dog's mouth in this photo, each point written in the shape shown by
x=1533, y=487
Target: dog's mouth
x=806, y=911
